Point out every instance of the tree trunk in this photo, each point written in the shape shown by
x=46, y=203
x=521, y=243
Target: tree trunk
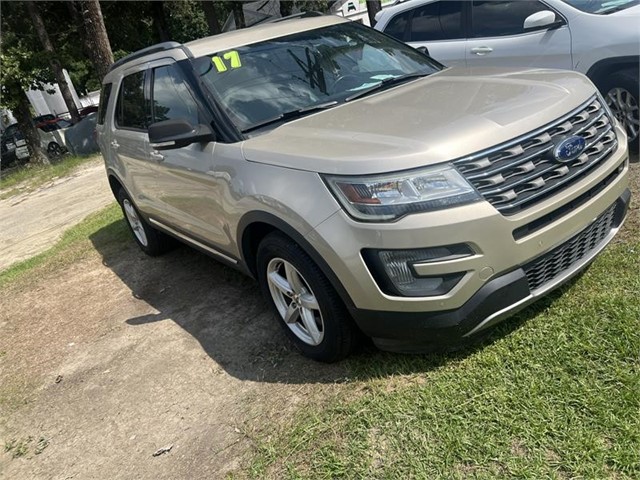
x=211, y=16
x=373, y=7
x=159, y=21
x=30, y=132
x=95, y=37
x=53, y=61
x=238, y=15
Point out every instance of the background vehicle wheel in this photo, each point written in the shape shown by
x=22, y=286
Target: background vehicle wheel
x=620, y=91
x=54, y=151
x=151, y=241
x=308, y=307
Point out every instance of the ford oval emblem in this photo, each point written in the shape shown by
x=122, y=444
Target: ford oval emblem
x=569, y=148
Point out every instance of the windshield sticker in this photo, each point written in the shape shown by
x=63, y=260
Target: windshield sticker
x=232, y=58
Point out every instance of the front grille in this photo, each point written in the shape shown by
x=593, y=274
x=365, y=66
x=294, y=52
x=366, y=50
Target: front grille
x=547, y=267
x=520, y=173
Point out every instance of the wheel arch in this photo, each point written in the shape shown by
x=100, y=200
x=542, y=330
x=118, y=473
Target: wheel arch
x=115, y=184
x=600, y=70
x=254, y=226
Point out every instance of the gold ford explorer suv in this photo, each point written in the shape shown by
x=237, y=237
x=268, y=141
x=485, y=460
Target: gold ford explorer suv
x=365, y=186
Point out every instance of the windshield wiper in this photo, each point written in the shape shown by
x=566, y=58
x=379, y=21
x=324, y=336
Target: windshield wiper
x=387, y=82
x=617, y=8
x=290, y=115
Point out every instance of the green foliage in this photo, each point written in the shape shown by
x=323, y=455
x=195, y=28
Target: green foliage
x=186, y=21
x=24, y=65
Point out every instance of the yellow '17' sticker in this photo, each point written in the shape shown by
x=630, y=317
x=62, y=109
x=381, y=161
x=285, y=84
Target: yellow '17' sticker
x=233, y=60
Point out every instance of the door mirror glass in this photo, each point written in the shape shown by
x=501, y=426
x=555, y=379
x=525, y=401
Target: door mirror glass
x=543, y=19
x=177, y=133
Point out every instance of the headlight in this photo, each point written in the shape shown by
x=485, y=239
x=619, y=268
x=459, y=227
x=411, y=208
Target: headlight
x=391, y=196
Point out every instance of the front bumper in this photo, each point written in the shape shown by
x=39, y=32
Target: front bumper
x=499, y=298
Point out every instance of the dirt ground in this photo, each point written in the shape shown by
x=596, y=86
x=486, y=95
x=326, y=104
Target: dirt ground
x=32, y=222
x=118, y=355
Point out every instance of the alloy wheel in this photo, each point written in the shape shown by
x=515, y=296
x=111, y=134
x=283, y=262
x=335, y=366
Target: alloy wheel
x=625, y=108
x=295, y=301
x=135, y=222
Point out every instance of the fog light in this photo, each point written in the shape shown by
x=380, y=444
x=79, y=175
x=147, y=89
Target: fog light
x=394, y=272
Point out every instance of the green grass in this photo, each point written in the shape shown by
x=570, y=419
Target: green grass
x=29, y=177
x=73, y=245
x=554, y=393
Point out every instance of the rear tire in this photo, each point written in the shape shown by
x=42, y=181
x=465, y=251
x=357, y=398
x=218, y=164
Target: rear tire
x=309, y=309
x=54, y=151
x=621, y=92
x=151, y=241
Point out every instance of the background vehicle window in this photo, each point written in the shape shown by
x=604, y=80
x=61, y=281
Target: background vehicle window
x=104, y=101
x=495, y=19
x=132, y=107
x=171, y=98
x=437, y=21
x=397, y=27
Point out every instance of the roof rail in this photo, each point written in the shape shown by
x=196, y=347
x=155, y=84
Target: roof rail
x=296, y=15
x=159, y=47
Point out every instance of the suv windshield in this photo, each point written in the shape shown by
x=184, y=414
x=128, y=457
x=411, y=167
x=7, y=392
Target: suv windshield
x=602, y=6
x=306, y=71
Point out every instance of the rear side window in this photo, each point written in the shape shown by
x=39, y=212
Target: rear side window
x=132, y=107
x=105, y=94
x=437, y=21
x=171, y=97
x=496, y=19
x=397, y=27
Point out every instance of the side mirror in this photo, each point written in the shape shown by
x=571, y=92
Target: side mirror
x=423, y=50
x=177, y=133
x=543, y=19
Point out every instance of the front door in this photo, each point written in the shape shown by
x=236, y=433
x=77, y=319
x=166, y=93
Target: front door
x=498, y=38
x=186, y=188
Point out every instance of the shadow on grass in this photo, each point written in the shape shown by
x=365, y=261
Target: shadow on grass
x=224, y=311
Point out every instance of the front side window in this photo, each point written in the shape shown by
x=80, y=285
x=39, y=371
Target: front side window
x=132, y=106
x=495, y=19
x=326, y=66
x=437, y=21
x=171, y=97
x=105, y=93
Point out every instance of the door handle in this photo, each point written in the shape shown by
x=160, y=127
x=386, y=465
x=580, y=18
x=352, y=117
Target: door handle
x=157, y=156
x=480, y=51
x=114, y=144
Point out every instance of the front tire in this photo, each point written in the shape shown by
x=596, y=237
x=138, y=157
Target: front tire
x=151, y=241
x=309, y=309
x=620, y=91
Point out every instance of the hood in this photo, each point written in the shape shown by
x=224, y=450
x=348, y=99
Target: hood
x=445, y=116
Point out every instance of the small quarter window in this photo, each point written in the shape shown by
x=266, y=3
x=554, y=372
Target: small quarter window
x=171, y=97
x=132, y=108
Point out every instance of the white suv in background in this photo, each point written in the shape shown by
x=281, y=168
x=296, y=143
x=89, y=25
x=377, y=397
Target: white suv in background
x=600, y=38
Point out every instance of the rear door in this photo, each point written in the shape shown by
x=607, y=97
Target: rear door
x=439, y=26
x=128, y=142
x=498, y=38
